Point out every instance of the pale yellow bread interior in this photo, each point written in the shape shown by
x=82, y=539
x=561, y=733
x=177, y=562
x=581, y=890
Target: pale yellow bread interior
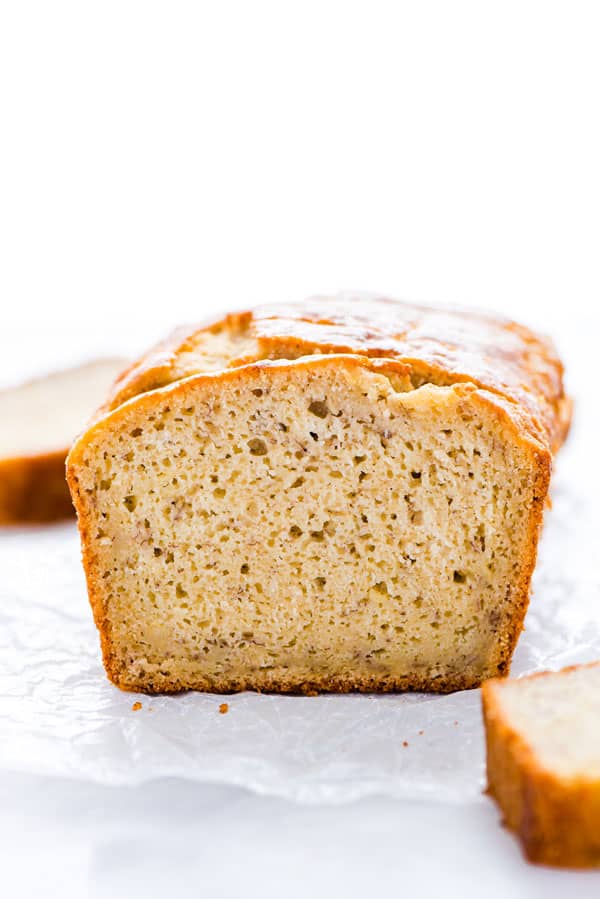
x=318, y=524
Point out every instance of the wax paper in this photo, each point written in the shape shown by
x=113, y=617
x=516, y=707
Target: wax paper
x=59, y=715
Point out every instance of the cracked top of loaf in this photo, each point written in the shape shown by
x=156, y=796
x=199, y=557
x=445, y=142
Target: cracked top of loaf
x=435, y=345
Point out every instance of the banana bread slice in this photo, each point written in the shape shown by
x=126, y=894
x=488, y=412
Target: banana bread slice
x=40, y=420
x=339, y=495
x=543, y=762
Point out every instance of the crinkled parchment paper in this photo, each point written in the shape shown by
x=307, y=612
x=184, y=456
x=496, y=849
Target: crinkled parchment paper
x=59, y=715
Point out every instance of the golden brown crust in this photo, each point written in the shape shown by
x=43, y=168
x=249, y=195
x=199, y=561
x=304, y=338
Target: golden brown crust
x=281, y=682
x=440, y=345
x=34, y=490
x=154, y=369
x=160, y=365
x=556, y=820
x=510, y=418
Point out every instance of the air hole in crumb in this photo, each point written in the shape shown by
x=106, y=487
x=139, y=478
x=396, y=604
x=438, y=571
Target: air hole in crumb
x=319, y=408
x=257, y=391
x=320, y=581
x=459, y=577
x=298, y=482
x=245, y=568
x=295, y=531
x=157, y=551
x=257, y=447
x=416, y=475
x=314, y=435
x=136, y=432
x=130, y=502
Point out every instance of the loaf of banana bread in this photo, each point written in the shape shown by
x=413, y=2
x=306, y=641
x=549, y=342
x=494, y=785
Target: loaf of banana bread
x=343, y=494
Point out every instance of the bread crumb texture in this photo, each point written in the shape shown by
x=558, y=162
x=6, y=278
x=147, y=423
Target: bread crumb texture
x=326, y=521
x=543, y=762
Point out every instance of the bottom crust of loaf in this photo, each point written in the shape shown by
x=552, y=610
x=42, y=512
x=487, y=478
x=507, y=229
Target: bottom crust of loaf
x=34, y=490
x=556, y=821
x=281, y=682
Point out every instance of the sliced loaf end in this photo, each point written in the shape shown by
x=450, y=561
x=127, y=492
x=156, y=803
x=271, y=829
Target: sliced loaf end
x=543, y=762
x=40, y=420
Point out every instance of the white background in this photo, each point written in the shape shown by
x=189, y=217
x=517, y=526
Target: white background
x=161, y=161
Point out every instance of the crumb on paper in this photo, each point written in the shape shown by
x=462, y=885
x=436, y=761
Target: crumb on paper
x=405, y=742
x=455, y=723
x=224, y=708
x=421, y=732
x=136, y=706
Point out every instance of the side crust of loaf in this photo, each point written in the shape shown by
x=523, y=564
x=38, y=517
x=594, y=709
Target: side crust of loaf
x=34, y=490
x=133, y=414
x=556, y=820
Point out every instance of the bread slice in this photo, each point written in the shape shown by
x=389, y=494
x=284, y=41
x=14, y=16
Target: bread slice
x=332, y=496
x=543, y=762
x=40, y=420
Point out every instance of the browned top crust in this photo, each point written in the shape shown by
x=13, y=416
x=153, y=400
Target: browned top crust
x=439, y=345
